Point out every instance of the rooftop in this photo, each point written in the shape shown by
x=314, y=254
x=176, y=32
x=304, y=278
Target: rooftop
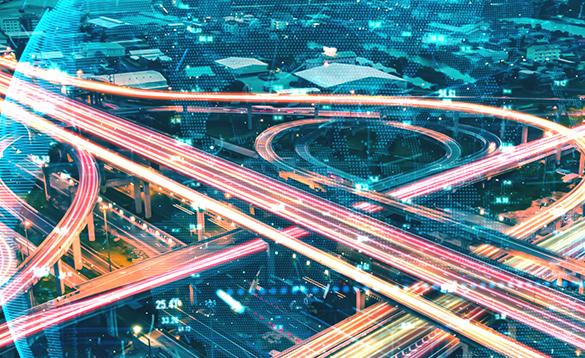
x=199, y=71
x=89, y=46
x=240, y=62
x=336, y=74
x=106, y=22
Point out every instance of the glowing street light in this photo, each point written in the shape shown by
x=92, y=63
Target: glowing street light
x=136, y=329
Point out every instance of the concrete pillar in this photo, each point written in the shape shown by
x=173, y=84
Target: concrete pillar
x=512, y=329
x=270, y=265
x=252, y=210
x=581, y=163
x=112, y=322
x=582, y=287
x=456, y=123
x=316, y=111
x=137, y=195
x=46, y=176
x=58, y=271
x=147, y=201
x=559, y=279
x=465, y=351
x=524, y=134
x=77, y=256
x=200, y=225
x=210, y=351
x=502, y=129
x=558, y=153
x=90, y=227
x=360, y=299
x=192, y=294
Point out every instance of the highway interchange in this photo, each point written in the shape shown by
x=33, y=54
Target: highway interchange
x=478, y=285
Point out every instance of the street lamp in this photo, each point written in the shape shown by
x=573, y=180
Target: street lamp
x=104, y=209
x=137, y=331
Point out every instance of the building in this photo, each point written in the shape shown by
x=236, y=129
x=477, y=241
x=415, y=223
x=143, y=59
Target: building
x=152, y=80
x=340, y=77
x=149, y=54
x=243, y=66
x=542, y=53
x=111, y=28
x=11, y=24
x=101, y=49
x=198, y=71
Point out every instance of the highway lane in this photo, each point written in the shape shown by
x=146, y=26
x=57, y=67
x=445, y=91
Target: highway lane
x=58, y=241
x=478, y=333
x=21, y=209
x=255, y=110
x=520, y=298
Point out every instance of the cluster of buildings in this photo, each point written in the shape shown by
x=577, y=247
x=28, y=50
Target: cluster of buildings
x=414, y=47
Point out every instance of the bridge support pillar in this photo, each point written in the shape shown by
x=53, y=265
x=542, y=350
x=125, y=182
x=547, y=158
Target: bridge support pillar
x=210, y=351
x=59, y=277
x=360, y=299
x=252, y=210
x=90, y=227
x=465, y=350
x=581, y=163
x=270, y=265
x=77, y=257
x=192, y=294
x=456, y=124
x=582, y=287
x=524, y=134
x=512, y=329
x=147, y=201
x=200, y=225
x=502, y=130
x=137, y=195
x=46, y=184
x=559, y=279
x=558, y=152
x=112, y=322
x=249, y=118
